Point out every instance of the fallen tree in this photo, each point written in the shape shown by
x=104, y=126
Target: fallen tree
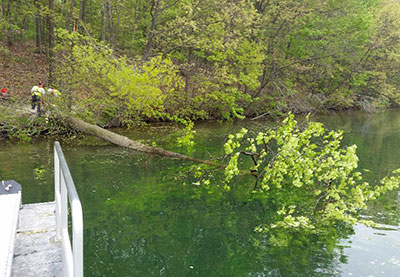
x=123, y=141
x=24, y=111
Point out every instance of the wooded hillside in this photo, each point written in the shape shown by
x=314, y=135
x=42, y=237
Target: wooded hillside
x=144, y=60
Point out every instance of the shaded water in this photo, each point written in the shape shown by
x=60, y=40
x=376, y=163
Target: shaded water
x=140, y=220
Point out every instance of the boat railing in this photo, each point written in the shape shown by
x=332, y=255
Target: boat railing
x=65, y=192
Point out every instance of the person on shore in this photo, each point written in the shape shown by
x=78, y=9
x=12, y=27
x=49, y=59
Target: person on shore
x=51, y=95
x=53, y=92
x=37, y=95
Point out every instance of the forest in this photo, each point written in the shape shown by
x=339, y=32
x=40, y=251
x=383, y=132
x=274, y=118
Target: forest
x=133, y=61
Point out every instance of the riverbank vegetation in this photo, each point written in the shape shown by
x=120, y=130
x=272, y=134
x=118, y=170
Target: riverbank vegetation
x=134, y=61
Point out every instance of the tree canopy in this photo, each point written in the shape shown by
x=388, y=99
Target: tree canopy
x=213, y=59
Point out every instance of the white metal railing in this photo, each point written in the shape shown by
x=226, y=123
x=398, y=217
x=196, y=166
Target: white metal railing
x=72, y=257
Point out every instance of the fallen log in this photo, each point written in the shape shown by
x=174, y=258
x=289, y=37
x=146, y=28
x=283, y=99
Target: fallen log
x=123, y=141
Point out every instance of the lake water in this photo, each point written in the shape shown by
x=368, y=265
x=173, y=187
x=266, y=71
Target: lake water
x=141, y=220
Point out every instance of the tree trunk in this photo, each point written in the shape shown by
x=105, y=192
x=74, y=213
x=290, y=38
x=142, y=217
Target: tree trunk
x=110, y=21
x=117, y=25
x=43, y=29
x=103, y=21
x=69, y=16
x=82, y=11
x=135, y=19
x=123, y=141
x=50, y=25
x=38, y=27
x=24, y=24
x=155, y=9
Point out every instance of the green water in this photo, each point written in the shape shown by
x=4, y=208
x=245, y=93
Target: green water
x=140, y=220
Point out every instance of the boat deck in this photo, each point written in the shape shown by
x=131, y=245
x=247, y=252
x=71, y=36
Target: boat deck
x=36, y=251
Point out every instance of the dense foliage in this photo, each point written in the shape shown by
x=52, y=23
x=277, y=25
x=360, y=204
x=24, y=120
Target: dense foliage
x=233, y=57
x=305, y=176
x=102, y=86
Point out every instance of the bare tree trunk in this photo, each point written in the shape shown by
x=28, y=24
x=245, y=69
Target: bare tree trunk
x=38, y=27
x=103, y=21
x=82, y=11
x=110, y=21
x=134, y=23
x=123, y=141
x=50, y=25
x=155, y=9
x=43, y=29
x=24, y=23
x=115, y=37
x=69, y=16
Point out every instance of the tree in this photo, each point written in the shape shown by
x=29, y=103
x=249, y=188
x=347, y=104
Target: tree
x=50, y=26
x=157, y=8
x=305, y=175
x=111, y=86
x=70, y=15
x=379, y=78
x=82, y=11
x=216, y=52
x=38, y=23
x=238, y=57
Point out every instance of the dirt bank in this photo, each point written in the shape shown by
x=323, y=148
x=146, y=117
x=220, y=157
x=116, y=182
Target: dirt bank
x=21, y=68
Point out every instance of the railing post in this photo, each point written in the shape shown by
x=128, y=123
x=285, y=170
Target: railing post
x=57, y=193
x=64, y=221
x=77, y=240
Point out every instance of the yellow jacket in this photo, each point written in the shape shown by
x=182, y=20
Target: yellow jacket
x=38, y=91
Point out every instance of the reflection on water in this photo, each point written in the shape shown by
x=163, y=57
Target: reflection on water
x=372, y=252
x=140, y=220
